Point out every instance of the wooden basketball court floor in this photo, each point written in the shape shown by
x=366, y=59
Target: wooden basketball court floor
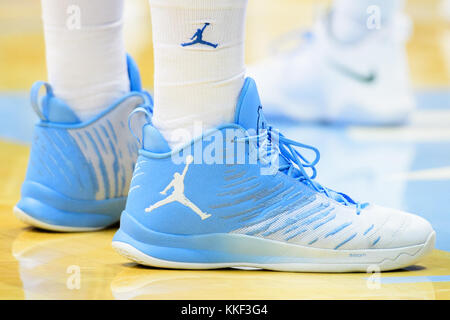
x=402, y=167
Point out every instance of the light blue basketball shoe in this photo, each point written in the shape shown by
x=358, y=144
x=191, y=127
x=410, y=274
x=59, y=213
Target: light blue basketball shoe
x=79, y=172
x=221, y=202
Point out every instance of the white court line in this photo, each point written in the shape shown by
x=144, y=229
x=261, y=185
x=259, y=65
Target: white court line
x=406, y=134
x=435, y=174
x=433, y=118
x=425, y=126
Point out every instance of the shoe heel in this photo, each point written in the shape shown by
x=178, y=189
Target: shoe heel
x=47, y=209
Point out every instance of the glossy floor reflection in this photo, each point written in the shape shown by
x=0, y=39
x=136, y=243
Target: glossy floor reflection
x=46, y=261
x=135, y=283
x=65, y=266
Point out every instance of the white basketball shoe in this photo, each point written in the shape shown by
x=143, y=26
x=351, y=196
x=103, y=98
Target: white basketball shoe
x=365, y=82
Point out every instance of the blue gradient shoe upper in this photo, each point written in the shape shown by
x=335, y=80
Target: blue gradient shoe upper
x=79, y=172
x=172, y=195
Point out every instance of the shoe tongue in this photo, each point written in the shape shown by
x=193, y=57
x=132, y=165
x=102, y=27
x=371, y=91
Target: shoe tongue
x=56, y=110
x=249, y=112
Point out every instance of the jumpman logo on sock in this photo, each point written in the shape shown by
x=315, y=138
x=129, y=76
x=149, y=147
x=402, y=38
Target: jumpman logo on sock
x=178, y=193
x=198, y=38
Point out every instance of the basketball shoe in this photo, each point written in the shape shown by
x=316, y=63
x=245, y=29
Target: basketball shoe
x=240, y=210
x=79, y=172
x=365, y=82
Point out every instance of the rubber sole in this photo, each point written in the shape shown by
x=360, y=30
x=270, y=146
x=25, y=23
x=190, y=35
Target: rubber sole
x=28, y=219
x=293, y=258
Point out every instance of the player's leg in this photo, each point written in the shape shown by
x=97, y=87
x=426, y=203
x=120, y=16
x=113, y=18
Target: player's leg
x=82, y=154
x=86, y=58
x=196, y=83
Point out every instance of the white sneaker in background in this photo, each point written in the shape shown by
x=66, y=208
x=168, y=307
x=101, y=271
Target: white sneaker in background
x=364, y=82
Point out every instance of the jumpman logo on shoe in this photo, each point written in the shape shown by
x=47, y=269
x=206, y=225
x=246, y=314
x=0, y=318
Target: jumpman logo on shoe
x=198, y=38
x=178, y=193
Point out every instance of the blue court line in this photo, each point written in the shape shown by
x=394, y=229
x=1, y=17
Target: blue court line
x=418, y=279
x=436, y=98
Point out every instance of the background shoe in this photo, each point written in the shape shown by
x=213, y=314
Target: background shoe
x=364, y=82
x=79, y=172
x=185, y=213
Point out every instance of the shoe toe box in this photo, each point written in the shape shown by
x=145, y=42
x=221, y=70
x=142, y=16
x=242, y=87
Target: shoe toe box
x=402, y=229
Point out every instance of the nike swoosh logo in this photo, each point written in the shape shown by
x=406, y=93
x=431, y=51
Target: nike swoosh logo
x=353, y=74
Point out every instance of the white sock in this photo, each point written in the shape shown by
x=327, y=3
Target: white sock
x=350, y=17
x=196, y=84
x=86, y=58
